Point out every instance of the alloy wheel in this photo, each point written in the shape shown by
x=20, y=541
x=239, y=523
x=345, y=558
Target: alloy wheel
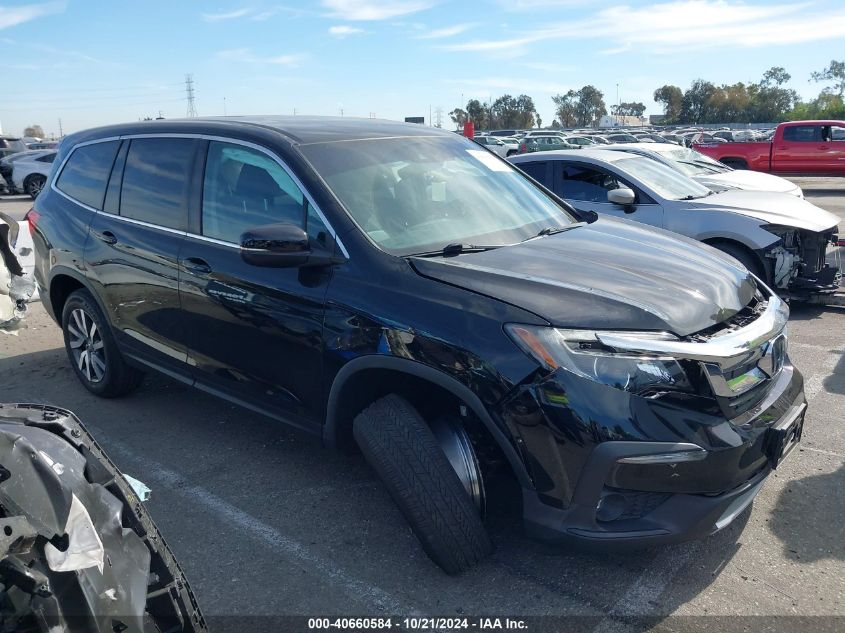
x=86, y=344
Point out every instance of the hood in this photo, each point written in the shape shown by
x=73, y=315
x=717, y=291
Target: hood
x=771, y=208
x=611, y=274
x=750, y=181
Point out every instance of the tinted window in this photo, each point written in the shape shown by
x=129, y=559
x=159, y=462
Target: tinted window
x=802, y=133
x=156, y=181
x=49, y=158
x=536, y=170
x=86, y=173
x=245, y=188
x=583, y=183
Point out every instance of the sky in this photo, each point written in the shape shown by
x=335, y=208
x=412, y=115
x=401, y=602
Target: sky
x=90, y=63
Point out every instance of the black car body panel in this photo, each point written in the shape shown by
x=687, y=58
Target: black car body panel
x=313, y=345
x=586, y=278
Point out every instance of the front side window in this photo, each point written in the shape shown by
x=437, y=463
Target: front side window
x=245, y=188
x=585, y=183
x=156, y=180
x=86, y=173
x=802, y=133
x=418, y=194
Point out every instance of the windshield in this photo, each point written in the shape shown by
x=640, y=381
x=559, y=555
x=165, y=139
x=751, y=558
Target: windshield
x=418, y=194
x=663, y=180
x=694, y=163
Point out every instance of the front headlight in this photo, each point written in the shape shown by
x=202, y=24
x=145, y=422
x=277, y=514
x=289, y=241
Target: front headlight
x=581, y=353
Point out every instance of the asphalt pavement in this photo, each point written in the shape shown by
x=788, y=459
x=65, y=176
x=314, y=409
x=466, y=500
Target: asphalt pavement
x=266, y=522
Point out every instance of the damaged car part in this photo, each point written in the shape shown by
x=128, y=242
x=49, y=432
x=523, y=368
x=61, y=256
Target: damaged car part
x=78, y=552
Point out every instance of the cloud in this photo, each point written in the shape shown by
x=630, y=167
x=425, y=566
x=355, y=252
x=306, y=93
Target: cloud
x=535, y=5
x=230, y=15
x=364, y=10
x=245, y=55
x=344, y=30
x=655, y=28
x=449, y=31
x=13, y=16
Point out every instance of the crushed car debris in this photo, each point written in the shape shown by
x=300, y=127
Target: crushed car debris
x=78, y=552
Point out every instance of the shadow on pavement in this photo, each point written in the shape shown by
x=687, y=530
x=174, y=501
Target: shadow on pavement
x=809, y=517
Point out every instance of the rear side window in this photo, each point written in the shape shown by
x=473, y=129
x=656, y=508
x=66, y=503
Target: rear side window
x=156, y=181
x=86, y=173
x=49, y=158
x=802, y=133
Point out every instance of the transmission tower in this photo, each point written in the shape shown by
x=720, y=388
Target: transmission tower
x=189, y=92
x=438, y=117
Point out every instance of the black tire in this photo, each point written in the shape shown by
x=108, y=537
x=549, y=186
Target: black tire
x=400, y=447
x=735, y=163
x=34, y=184
x=111, y=377
x=744, y=256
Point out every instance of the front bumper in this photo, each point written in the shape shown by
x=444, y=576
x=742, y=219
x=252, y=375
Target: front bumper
x=573, y=442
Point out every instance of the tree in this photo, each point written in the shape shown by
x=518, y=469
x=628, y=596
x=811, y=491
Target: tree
x=634, y=108
x=775, y=76
x=672, y=99
x=730, y=104
x=590, y=106
x=565, y=108
x=695, y=107
x=459, y=117
x=34, y=130
x=526, y=113
x=834, y=72
x=477, y=113
x=510, y=112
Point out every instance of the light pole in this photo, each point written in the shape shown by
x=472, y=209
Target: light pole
x=616, y=117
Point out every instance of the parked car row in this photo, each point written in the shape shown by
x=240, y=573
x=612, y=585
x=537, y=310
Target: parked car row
x=27, y=171
x=401, y=289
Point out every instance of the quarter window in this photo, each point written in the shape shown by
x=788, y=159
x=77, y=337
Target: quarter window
x=156, y=181
x=86, y=173
x=245, y=188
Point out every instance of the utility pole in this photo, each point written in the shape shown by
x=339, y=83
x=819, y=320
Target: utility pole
x=617, y=105
x=61, y=134
x=341, y=111
x=189, y=94
x=224, y=106
x=438, y=117
x=429, y=114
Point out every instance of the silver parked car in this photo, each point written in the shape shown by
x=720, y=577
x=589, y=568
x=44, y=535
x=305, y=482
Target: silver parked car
x=710, y=173
x=778, y=237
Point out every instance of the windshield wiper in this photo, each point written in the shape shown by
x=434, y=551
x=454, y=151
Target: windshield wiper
x=692, y=197
x=451, y=250
x=552, y=230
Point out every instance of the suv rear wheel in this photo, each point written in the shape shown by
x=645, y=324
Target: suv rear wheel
x=92, y=350
x=443, y=510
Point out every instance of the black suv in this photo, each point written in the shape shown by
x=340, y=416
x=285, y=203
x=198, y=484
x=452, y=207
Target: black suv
x=401, y=289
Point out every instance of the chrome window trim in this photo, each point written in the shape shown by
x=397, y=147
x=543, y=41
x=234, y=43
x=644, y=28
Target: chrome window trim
x=207, y=137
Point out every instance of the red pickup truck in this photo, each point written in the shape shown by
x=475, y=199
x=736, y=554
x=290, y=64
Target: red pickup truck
x=798, y=147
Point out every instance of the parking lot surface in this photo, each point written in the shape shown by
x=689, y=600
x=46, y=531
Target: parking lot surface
x=266, y=522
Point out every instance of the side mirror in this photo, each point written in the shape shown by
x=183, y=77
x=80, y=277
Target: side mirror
x=282, y=246
x=624, y=197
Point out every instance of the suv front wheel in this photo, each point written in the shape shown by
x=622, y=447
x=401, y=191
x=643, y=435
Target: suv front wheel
x=92, y=350
x=443, y=511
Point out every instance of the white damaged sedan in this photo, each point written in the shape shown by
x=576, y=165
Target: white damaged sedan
x=779, y=237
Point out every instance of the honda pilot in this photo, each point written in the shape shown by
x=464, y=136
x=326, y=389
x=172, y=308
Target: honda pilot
x=398, y=289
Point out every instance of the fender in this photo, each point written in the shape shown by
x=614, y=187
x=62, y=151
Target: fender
x=76, y=276
x=419, y=370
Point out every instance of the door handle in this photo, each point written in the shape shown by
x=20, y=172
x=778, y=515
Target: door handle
x=107, y=236
x=196, y=265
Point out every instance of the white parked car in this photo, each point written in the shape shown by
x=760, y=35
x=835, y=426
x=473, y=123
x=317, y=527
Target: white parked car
x=710, y=173
x=778, y=237
x=503, y=146
x=29, y=173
